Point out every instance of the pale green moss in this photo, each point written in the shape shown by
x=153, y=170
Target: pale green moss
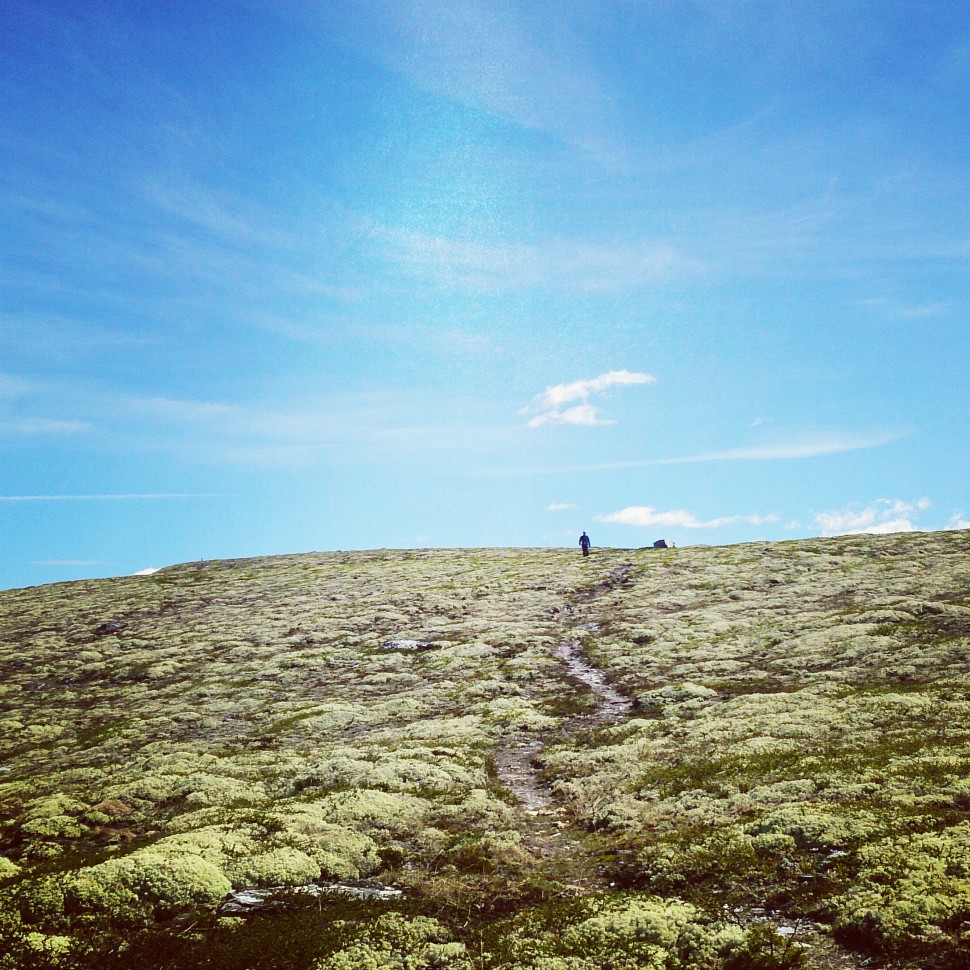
x=911, y=890
x=393, y=812
x=279, y=867
x=58, y=804
x=147, y=881
x=53, y=945
x=813, y=827
x=394, y=942
x=624, y=932
x=54, y=827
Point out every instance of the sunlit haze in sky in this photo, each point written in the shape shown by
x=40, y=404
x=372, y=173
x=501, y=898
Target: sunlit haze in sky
x=279, y=276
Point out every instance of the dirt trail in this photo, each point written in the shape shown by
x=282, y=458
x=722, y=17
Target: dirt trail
x=515, y=767
x=612, y=705
x=556, y=842
x=542, y=825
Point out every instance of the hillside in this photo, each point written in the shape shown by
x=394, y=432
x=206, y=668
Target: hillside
x=726, y=758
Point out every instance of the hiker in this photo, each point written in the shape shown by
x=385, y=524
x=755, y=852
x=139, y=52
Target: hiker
x=584, y=543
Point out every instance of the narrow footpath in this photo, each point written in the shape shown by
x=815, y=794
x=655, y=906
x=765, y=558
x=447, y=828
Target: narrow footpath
x=566, y=850
x=543, y=826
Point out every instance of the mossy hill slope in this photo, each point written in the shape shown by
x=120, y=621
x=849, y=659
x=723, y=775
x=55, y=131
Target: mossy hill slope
x=752, y=756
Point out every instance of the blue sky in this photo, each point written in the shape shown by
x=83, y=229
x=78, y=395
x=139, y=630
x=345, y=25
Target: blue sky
x=279, y=275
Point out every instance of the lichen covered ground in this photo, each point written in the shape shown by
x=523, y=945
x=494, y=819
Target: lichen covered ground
x=752, y=756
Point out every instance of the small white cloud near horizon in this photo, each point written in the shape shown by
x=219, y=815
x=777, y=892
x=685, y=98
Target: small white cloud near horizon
x=881, y=517
x=646, y=515
x=550, y=404
x=957, y=521
x=560, y=506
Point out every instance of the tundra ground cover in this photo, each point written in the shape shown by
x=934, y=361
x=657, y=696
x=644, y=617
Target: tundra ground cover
x=798, y=745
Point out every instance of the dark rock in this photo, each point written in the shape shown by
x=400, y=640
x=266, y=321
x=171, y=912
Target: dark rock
x=112, y=626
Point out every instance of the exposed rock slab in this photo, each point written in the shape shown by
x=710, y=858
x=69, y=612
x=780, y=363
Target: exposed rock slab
x=249, y=902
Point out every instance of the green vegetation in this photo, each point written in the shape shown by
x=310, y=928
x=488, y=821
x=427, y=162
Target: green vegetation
x=790, y=788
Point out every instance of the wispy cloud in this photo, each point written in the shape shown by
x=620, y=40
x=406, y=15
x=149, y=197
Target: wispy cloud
x=59, y=563
x=299, y=430
x=879, y=517
x=231, y=219
x=529, y=66
x=12, y=385
x=293, y=430
x=560, y=506
x=55, y=337
x=803, y=446
x=153, y=496
x=564, y=264
x=43, y=426
x=957, y=521
x=908, y=311
x=185, y=411
x=809, y=446
x=647, y=515
x=549, y=406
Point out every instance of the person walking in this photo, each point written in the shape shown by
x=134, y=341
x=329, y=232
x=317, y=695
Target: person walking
x=584, y=543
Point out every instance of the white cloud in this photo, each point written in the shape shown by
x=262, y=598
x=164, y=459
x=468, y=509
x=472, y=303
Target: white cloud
x=151, y=570
x=647, y=515
x=560, y=506
x=560, y=394
x=550, y=403
x=957, y=521
x=582, y=414
x=880, y=517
